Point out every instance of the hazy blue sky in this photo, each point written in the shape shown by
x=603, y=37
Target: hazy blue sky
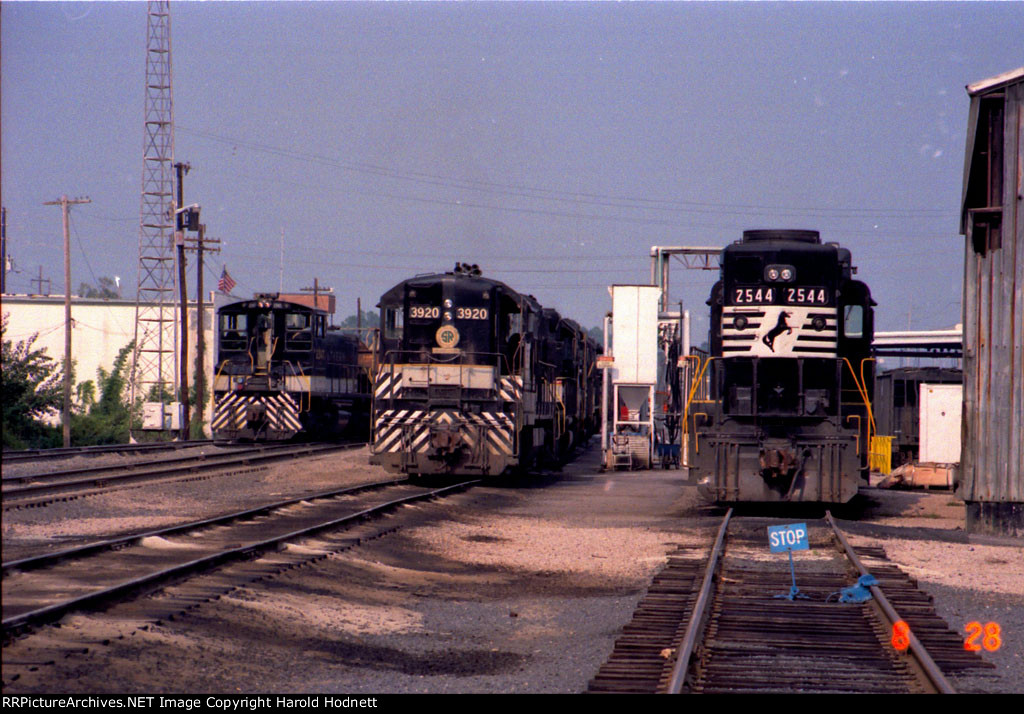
x=551, y=143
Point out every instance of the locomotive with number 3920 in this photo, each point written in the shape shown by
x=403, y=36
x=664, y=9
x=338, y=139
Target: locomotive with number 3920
x=476, y=378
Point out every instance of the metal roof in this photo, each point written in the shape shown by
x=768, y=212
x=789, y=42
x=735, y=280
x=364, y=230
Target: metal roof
x=919, y=343
x=997, y=82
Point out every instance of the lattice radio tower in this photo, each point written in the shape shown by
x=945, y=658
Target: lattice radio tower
x=155, y=364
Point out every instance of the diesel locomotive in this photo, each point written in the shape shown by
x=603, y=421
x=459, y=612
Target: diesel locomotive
x=281, y=371
x=474, y=377
x=790, y=374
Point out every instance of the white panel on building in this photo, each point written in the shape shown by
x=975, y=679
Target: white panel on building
x=635, y=333
x=940, y=408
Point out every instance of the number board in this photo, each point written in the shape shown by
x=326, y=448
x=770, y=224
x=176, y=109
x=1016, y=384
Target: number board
x=787, y=295
x=788, y=537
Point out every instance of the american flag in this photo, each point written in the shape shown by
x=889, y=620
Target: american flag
x=226, y=283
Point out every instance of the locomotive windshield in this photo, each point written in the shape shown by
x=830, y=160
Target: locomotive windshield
x=233, y=331
x=298, y=332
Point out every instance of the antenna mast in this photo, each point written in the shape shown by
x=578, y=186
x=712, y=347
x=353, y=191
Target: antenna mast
x=154, y=369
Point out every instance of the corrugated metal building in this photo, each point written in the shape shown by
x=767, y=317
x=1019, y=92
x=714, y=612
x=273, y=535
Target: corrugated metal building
x=992, y=466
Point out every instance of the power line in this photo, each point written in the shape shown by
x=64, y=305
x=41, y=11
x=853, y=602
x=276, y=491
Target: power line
x=731, y=228
x=85, y=256
x=578, y=197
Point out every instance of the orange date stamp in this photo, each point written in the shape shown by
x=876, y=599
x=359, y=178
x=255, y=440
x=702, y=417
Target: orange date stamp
x=990, y=634
x=900, y=636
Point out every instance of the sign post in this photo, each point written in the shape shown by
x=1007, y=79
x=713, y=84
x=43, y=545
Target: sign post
x=786, y=539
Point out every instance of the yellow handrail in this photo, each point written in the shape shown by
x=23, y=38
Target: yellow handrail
x=696, y=439
x=862, y=388
x=857, y=417
x=309, y=389
x=871, y=415
x=693, y=388
x=223, y=363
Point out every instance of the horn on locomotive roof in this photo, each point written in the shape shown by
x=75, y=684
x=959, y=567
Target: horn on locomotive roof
x=467, y=269
x=802, y=236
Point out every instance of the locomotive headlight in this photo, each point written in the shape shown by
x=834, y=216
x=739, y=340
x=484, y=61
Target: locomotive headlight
x=447, y=315
x=448, y=304
x=740, y=323
x=818, y=323
x=787, y=274
x=773, y=274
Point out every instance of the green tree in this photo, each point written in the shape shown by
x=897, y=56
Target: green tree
x=31, y=388
x=195, y=424
x=107, y=288
x=370, y=319
x=105, y=420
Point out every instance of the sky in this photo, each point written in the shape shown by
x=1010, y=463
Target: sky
x=550, y=143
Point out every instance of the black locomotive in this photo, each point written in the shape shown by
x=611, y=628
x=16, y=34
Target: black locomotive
x=476, y=378
x=788, y=417
x=281, y=371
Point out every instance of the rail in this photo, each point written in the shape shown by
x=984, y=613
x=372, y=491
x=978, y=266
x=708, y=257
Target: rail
x=73, y=483
x=682, y=666
x=293, y=525
x=64, y=453
x=916, y=649
x=922, y=664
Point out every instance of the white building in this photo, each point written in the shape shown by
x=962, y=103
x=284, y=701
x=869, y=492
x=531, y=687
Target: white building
x=100, y=329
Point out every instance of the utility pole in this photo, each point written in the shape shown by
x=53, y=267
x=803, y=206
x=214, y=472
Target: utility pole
x=316, y=289
x=39, y=283
x=64, y=202
x=179, y=240
x=200, y=368
x=3, y=250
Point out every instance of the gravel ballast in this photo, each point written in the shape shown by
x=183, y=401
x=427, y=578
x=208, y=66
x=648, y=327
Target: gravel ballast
x=513, y=588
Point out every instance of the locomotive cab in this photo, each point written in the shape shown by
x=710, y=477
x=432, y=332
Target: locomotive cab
x=280, y=372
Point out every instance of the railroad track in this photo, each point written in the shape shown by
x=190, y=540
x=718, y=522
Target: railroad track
x=62, y=453
x=44, y=589
x=42, y=488
x=716, y=619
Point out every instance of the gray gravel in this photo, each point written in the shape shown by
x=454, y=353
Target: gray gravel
x=135, y=509
x=958, y=606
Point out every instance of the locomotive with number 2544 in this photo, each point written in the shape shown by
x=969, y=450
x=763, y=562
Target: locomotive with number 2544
x=788, y=416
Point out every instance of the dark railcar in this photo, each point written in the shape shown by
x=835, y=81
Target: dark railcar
x=281, y=371
x=790, y=374
x=475, y=378
x=896, y=407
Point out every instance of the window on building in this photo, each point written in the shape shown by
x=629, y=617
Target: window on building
x=985, y=184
